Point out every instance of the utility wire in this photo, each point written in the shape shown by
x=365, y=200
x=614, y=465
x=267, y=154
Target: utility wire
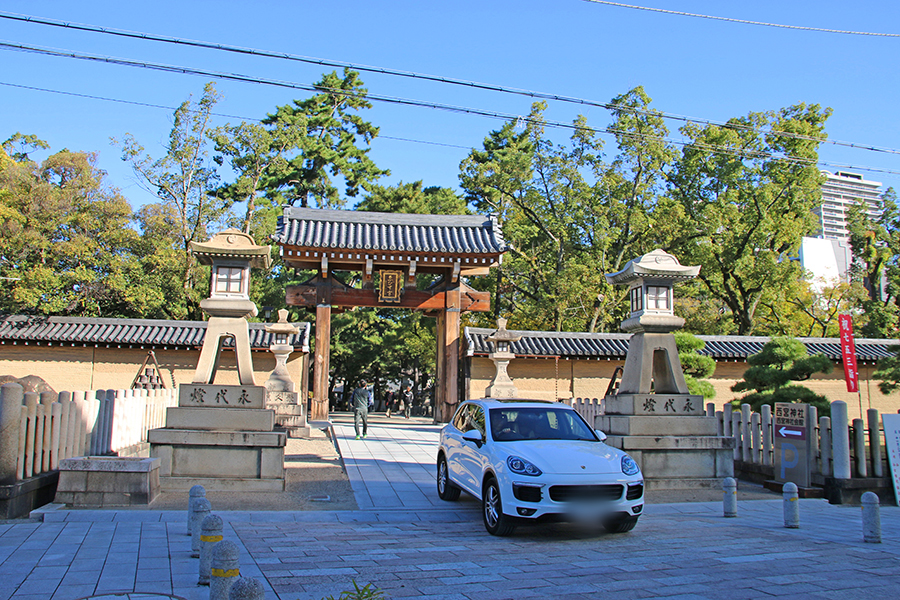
x=743, y=21
x=401, y=101
x=172, y=108
x=409, y=74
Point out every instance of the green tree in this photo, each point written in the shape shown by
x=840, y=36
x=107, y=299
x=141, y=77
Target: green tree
x=331, y=144
x=413, y=198
x=875, y=244
x=773, y=370
x=697, y=367
x=742, y=196
x=67, y=244
x=570, y=217
x=185, y=181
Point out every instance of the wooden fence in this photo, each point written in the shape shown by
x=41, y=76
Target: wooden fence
x=82, y=423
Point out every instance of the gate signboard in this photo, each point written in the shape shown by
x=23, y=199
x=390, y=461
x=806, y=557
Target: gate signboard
x=792, y=435
x=892, y=441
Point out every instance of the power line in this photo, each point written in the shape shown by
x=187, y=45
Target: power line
x=409, y=74
x=743, y=21
x=403, y=102
x=227, y=116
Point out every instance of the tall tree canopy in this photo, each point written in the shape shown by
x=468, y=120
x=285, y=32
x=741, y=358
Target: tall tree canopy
x=333, y=142
x=67, y=245
x=742, y=196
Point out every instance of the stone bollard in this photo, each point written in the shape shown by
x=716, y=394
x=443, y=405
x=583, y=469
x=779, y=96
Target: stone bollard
x=197, y=491
x=825, y=445
x=745, y=432
x=840, y=440
x=11, y=395
x=224, y=570
x=201, y=511
x=729, y=497
x=210, y=535
x=859, y=447
x=875, y=442
x=791, y=505
x=247, y=588
x=871, y=518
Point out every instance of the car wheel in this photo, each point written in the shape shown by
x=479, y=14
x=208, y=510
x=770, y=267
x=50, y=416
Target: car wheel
x=446, y=490
x=620, y=524
x=495, y=521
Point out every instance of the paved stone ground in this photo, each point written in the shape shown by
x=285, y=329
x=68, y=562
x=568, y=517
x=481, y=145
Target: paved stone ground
x=411, y=545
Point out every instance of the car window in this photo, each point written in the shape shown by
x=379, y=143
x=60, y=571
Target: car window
x=538, y=423
x=461, y=419
x=476, y=418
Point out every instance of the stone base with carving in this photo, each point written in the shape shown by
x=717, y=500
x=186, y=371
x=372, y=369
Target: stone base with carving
x=227, y=445
x=290, y=416
x=676, y=447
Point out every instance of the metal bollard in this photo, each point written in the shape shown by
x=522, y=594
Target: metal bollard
x=247, y=588
x=224, y=570
x=197, y=491
x=210, y=535
x=201, y=511
x=791, y=505
x=729, y=497
x=871, y=518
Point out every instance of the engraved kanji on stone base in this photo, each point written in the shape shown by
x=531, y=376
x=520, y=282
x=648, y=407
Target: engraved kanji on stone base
x=221, y=396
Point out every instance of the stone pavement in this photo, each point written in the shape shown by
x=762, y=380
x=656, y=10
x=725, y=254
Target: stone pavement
x=411, y=546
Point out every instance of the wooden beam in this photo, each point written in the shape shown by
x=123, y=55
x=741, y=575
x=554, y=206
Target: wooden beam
x=319, y=409
x=308, y=295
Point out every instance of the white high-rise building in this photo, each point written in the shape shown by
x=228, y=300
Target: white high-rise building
x=827, y=256
x=840, y=191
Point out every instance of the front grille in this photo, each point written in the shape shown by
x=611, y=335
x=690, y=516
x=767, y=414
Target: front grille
x=574, y=493
x=527, y=493
x=635, y=492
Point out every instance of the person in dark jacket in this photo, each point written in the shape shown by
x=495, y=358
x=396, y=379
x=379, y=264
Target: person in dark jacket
x=359, y=401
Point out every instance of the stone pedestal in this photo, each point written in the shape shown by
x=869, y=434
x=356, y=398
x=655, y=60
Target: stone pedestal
x=104, y=481
x=676, y=447
x=290, y=415
x=220, y=437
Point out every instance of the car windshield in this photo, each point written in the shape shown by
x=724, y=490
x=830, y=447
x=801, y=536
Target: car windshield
x=538, y=423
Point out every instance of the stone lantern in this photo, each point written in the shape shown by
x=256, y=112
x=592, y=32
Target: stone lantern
x=222, y=436
x=652, y=356
x=281, y=394
x=502, y=386
x=653, y=416
x=230, y=254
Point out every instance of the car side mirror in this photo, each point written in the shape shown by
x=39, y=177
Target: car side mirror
x=473, y=435
x=600, y=435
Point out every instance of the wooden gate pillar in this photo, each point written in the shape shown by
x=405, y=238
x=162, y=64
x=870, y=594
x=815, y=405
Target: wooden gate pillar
x=448, y=355
x=319, y=408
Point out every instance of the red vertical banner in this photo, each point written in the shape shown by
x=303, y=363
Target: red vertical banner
x=848, y=353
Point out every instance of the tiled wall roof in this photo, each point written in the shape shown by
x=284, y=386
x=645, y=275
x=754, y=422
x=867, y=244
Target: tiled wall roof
x=79, y=331
x=615, y=345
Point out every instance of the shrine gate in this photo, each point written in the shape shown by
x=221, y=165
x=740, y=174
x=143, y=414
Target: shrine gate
x=393, y=248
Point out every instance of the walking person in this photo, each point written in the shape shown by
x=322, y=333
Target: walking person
x=407, y=396
x=360, y=403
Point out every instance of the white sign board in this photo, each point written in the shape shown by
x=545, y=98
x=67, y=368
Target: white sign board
x=892, y=441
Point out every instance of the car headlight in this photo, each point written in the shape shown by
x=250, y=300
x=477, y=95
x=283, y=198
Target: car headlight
x=522, y=466
x=629, y=467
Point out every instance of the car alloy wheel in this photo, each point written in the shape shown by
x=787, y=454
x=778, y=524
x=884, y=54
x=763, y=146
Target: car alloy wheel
x=446, y=490
x=495, y=521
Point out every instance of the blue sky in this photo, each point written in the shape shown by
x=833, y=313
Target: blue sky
x=696, y=67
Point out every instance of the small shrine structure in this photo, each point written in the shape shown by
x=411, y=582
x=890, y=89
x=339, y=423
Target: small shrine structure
x=388, y=250
x=222, y=436
x=653, y=416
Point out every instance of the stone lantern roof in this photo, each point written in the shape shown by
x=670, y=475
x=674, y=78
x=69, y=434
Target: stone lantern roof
x=232, y=244
x=658, y=264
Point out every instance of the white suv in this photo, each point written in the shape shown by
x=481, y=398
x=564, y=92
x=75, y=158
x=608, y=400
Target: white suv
x=531, y=459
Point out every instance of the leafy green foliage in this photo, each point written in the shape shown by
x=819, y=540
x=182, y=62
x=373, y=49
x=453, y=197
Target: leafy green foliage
x=888, y=372
x=67, y=243
x=329, y=139
x=697, y=367
x=772, y=370
x=741, y=210
x=367, y=592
